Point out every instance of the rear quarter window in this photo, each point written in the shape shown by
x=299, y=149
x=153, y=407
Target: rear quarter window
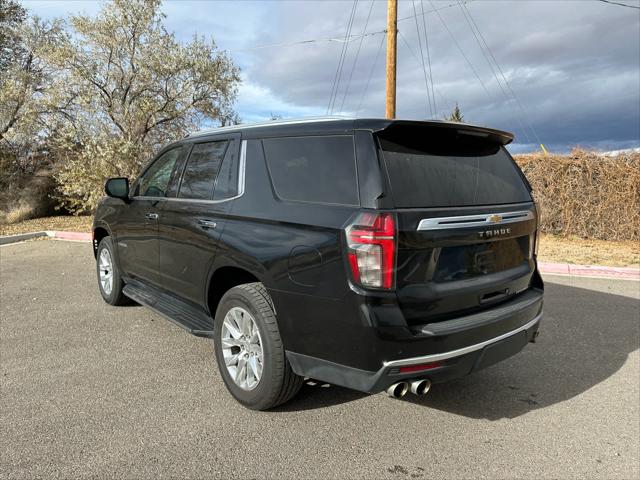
x=319, y=169
x=435, y=169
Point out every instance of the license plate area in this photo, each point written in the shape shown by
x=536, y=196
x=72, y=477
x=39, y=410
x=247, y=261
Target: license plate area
x=462, y=262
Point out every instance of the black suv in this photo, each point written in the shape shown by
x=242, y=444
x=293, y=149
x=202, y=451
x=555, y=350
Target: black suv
x=368, y=253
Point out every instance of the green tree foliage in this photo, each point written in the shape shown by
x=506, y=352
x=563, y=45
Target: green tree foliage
x=133, y=87
x=456, y=115
x=30, y=103
x=12, y=15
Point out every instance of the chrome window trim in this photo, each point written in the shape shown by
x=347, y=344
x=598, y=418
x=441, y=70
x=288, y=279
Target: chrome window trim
x=481, y=220
x=241, y=181
x=461, y=351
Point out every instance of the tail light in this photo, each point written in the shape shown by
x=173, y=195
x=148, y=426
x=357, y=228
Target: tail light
x=371, y=241
x=536, y=234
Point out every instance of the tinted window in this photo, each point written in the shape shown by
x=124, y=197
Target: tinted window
x=155, y=180
x=227, y=181
x=447, y=169
x=201, y=170
x=313, y=169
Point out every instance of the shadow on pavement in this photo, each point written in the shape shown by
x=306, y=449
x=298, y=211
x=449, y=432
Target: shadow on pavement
x=585, y=337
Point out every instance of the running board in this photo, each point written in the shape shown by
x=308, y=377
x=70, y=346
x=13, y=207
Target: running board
x=179, y=312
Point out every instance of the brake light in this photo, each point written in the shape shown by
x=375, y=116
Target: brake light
x=536, y=234
x=371, y=241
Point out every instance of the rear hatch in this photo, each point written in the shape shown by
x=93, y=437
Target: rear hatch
x=466, y=220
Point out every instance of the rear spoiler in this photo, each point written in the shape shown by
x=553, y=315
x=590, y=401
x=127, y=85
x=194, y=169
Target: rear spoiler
x=498, y=136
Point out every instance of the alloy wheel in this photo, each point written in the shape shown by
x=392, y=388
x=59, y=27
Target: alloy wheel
x=242, y=348
x=105, y=266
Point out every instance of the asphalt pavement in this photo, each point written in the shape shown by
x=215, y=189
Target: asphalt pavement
x=89, y=390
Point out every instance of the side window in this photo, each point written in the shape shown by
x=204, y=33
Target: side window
x=155, y=180
x=313, y=169
x=174, y=183
x=227, y=181
x=201, y=170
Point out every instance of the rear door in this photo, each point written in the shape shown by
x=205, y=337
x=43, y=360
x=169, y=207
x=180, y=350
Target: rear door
x=192, y=220
x=466, y=222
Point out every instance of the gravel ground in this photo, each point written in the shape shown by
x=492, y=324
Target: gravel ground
x=92, y=390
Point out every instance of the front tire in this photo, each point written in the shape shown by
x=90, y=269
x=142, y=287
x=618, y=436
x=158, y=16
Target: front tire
x=109, y=280
x=249, y=350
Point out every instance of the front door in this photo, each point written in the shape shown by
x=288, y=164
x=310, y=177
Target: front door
x=191, y=223
x=137, y=235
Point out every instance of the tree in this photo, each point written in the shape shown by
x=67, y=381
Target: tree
x=134, y=88
x=29, y=100
x=456, y=115
x=12, y=15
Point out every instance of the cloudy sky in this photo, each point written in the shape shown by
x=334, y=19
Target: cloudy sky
x=572, y=67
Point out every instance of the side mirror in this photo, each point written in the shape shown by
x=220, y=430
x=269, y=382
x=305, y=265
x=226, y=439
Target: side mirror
x=117, y=187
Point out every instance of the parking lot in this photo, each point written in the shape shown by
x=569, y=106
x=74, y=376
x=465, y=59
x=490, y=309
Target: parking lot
x=93, y=390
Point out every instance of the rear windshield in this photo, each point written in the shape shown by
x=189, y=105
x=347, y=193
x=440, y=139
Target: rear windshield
x=446, y=168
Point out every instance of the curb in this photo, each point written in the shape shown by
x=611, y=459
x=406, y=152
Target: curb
x=21, y=237
x=69, y=236
x=77, y=236
x=621, y=273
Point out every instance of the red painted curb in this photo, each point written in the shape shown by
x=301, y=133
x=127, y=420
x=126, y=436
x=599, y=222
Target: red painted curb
x=590, y=270
x=82, y=236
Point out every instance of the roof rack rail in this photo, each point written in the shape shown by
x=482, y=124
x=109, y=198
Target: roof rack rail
x=269, y=123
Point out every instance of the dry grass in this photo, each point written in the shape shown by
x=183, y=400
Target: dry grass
x=582, y=251
x=586, y=194
x=19, y=214
x=60, y=223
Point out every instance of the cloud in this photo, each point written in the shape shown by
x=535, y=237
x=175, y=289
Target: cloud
x=574, y=66
x=257, y=103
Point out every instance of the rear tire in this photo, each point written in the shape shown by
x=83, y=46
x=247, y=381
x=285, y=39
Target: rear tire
x=109, y=280
x=252, y=362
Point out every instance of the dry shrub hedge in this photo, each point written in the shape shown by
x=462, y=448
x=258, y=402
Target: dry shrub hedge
x=586, y=194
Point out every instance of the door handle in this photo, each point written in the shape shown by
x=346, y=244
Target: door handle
x=152, y=216
x=207, y=223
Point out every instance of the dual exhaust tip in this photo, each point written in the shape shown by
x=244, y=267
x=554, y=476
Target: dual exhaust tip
x=417, y=387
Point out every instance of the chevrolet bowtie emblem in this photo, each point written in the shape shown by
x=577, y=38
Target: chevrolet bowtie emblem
x=494, y=218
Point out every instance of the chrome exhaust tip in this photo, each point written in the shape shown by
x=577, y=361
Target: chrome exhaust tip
x=420, y=387
x=398, y=390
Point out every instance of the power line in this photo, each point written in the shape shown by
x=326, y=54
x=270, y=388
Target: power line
x=303, y=42
x=426, y=41
x=466, y=15
x=504, y=78
x=444, y=24
x=335, y=38
x=413, y=54
x=355, y=61
x=424, y=68
x=373, y=67
x=455, y=4
x=336, y=78
x=620, y=4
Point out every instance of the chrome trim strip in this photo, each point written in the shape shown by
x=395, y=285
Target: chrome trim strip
x=461, y=351
x=481, y=220
x=241, y=180
x=242, y=168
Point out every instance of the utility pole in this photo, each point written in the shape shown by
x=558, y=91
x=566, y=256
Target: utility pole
x=392, y=36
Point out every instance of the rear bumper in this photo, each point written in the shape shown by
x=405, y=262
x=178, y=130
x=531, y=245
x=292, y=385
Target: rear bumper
x=453, y=363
